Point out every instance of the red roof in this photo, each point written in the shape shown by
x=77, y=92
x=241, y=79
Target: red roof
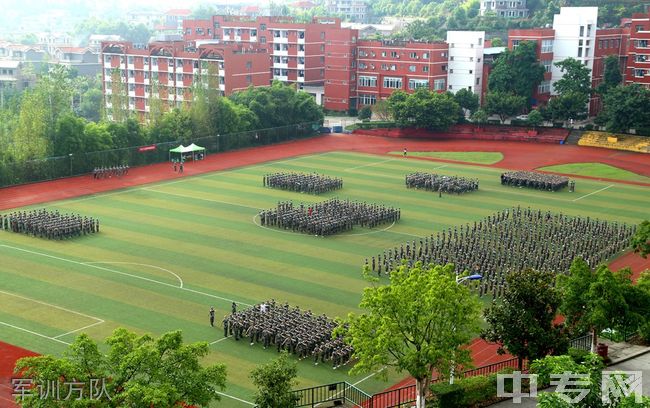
x=179, y=12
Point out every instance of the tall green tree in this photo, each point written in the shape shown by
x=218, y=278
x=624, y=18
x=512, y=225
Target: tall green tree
x=30, y=138
x=641, y=239
x=503, y=104
x=592, y=300
x=573, y=90
x=467, y=100
x=523, y=324
x=424, y=109
x=624, y=108
x=274, y=382
x=414, y=324
x=612, y=76
x=517, y=72
x=137, y=371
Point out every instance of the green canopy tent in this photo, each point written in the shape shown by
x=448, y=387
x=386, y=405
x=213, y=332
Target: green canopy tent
x=181, y=152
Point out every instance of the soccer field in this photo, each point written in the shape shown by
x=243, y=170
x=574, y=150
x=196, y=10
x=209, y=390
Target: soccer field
x=168, y=251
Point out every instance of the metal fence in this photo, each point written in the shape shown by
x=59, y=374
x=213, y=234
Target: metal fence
x=336, y=394
x=582, y=343
x=74, y=164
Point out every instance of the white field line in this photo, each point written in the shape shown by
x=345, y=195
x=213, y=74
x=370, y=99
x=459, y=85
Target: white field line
x=200, y=198
x=78, y=330
x=198, y=292
x=49, y=304
x=219, y=341
x=35, y=333
x=370, y=164
x=235, y=398
x=180, y=281
x=597, y=191
x=369, y=376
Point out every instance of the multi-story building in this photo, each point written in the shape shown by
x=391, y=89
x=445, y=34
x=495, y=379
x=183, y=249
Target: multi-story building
x=465, y=60
x=505, y=8
x=84, y=61
x=169, y=70
x=386, y=66
x=172, y=22
x=637, y=69
x=609, y=41
x=544, y=39
x=353, y=10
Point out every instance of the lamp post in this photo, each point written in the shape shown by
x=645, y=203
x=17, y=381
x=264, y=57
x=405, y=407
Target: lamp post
x=70, y=156
x=453, y=357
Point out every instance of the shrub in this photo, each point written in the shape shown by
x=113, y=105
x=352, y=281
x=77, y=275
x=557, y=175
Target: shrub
x=365, y=113
x=447, y=395
x=589, y=126
x=644, y=332
x=578, y=355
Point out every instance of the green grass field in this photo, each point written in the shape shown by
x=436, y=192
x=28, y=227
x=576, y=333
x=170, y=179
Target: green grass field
x=468, y=157
x=597, y=170
x=169, y=251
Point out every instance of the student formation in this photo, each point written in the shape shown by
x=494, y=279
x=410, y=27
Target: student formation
x=288, y=328
x=49, y=224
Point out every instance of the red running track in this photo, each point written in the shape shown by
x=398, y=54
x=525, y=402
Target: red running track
x=516, y=155
x=8, y=356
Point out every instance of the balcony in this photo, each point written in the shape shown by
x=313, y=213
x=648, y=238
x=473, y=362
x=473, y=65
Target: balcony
x=280, y=40
x=300, y=66
x=281, y=78
x=131, y=80
x=280, y=65
x=283, y=53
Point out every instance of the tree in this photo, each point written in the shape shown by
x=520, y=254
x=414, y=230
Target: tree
x=535, y=118
x=497, y=42
x=567, y=106
x=381, y=110
x=479, y=117
x=573, y=89
x=624, y=108
x=522, y=321
x=467, y=100
x=517, y=72
x=414, y=324
x=592, y=300
x=503, y=104
x=365, y=113
x=136, y=370
x=424, y=109
x=274, y=382
x=641, y=239
x=612, y=74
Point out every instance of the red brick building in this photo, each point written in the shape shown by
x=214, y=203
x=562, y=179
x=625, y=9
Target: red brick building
x=386, y=66
x=609, y=41
x=170, y=69
x=637, y=69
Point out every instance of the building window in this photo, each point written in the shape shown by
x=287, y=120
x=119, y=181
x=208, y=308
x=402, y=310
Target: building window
x=515, y=43
x=368, y=81
x=130, y=60
x=393, y=67
x=362, y=65
x=547, y=46
x=322, y=35
x=548, y=64
x=544, y=87
x=639, y=73
x=253, y=32
x=367, y=99
x=600, y=44
x=438, y=84
x=413, y=55
x=639, y=28
x=249, y=79
x=262, y=40
x=393, y=82
x=383, y=53
x=249, y=65
x=262, y=27
x=580, y=52
x=582, y=31
x=418, y=83
x=411, y=68
x=640, y=43
x=384, y=67
x=641, y=58
x=425, y=55
x=393, y=54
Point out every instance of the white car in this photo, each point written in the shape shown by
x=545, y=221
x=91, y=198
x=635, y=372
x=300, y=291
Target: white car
x=522, y=117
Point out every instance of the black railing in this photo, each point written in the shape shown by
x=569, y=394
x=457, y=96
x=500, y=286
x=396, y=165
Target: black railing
x=582, y=343
x=335, y=394
x=393, y=398
x=75, y=164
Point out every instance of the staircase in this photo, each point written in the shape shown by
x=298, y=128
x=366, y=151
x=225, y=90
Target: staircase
x=574, y=136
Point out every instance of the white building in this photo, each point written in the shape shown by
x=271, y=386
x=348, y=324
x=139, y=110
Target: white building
x=505, y=8
x=575, y=37
x=353, y=10
x=465, y=64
